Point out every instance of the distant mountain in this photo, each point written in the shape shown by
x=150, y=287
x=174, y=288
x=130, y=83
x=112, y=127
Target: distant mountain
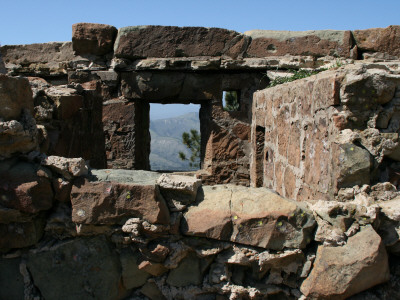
x=166, y=141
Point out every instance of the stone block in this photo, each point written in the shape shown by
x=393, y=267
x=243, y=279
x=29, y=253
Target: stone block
x=132, y=277
x=363, y=263
x=22, y=189
x=384, y=40
x=15, y=96
x=171, y=41
x=249, y=216
x=316, y=43
x=83, y=268
x=11, y=280
x=114, y=203
x=89, y=38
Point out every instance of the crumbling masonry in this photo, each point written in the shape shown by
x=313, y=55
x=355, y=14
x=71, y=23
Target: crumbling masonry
x=301, y=174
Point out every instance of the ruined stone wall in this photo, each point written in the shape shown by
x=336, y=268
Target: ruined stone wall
x=334, y=130
x=71, y=232
x=164, y=64
x=68, y=232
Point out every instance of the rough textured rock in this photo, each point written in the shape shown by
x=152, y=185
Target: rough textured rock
x=363, y=264
x=112, y=203
x=67, y=167
x=15, y=96
x=20, y=235
x=38, y=59
x=21, y=187
x=256, y=217
x=314, y=43
x=11, y=280
x=187, y=273
x=131, y=275
x=76, y=269
x=89, y=38
x=171, y=41
x=384, y=40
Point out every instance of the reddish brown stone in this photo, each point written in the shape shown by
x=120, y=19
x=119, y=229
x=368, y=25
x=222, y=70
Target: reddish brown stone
x=62, y=189
x=112, y=202
x=15, y=95
x=290, y=183
x=384, y=40
x=242, y=131
x=317, y=43
x=89, y=38
x=340, y=272
x=20, y=235
x=155, y=269
x=171, y=41
x=22, y=189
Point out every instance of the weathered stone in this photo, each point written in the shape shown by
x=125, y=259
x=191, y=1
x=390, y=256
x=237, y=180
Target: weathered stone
x=264, y=219
x=2, y=66
x=18, y=136
x=317, y=43
x=11, y=280
x=249, y=216
x=178, y=190
x=289, y=261
x=68, y=102
x=67, y=167
x=59, y=223
x=89, y=38
x=38, y=59
x=155, y=252
x=151, y=291
x=167, y=86
x=113, y=203
x=187, y=273
x=385, y=40
x=15, y=96
x=363, y=263
x=355, y=165
x=22, y=189
x=170, y=41
x=132, y=277
x=76, y=269
x=153, y=268
x=62, y=189
x=20, y=235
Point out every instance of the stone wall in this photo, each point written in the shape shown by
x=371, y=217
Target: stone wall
x=322, y=154
x=68, y=232
x=334, y=130
x=139, y=65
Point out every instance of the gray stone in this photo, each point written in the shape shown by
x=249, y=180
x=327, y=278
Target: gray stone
x=138, y=177
x=11, y=280
x=187, y=273
x=67, y=167
x=355, y=165
x=76, y=269
x=151, y=290
x=132, y=277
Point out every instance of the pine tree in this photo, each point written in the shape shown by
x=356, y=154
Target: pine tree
x=192, y=142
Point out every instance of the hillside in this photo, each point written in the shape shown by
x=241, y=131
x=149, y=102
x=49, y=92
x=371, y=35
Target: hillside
x=166, y=141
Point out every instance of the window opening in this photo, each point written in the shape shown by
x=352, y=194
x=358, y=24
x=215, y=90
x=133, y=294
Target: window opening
x=168, y=151
x=230, y=100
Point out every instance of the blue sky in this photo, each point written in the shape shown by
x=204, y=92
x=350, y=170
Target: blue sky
x=27, y=21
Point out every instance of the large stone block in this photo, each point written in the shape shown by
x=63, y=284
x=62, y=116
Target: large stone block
x=250, y=216
x=76, y=269
x=363, y=263
x=20, y=235
x=89, y=38
x=113, y=203
x=15, y=96
x=171, y=41
x=41, y=59
x=317, y=43
x=11, y=280
x=384, y=40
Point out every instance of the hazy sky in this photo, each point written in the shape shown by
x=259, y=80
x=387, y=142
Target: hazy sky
x=27, y=21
